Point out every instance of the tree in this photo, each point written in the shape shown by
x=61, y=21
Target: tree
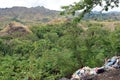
x=85, y=6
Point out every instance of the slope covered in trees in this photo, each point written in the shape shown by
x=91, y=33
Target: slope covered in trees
x=53, y=51
x=56, y=50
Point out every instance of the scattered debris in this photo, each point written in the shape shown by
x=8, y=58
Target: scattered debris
x=87, y=73
x=112, y=63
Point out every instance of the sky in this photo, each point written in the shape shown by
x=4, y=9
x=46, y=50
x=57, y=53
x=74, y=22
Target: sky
x=50, y=4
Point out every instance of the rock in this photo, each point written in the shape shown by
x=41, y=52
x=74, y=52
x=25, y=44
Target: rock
x=64, y=79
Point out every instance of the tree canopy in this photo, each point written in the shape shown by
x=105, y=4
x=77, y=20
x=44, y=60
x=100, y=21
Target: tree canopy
x=85, y=6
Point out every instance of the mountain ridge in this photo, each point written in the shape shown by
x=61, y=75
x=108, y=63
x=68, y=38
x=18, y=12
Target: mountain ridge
x=38, y=14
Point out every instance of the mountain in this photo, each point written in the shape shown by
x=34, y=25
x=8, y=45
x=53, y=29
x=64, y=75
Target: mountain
x=30, y=15
x=40, y=14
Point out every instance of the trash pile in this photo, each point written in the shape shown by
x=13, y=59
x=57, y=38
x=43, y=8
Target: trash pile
x=86, y=72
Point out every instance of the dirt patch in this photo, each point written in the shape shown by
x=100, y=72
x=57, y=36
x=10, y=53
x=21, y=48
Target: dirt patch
x=109, y=75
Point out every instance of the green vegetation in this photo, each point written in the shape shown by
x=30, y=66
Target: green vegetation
x=54, y=51
x=50, y=52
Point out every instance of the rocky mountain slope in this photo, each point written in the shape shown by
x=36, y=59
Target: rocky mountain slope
x=27, y=15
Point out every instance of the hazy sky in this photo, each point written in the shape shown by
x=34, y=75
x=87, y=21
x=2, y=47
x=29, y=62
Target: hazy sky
x=51, y=4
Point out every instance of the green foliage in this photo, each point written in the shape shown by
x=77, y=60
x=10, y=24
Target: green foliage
x=58, y=63
x=85, y=6
x=115, y=38
x=55, y=51
x=17, y=20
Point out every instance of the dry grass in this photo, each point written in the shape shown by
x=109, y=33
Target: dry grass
x=58, y=20
x=111, y=25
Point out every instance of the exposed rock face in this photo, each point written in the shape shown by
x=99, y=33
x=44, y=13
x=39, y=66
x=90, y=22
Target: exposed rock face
x=14, y=28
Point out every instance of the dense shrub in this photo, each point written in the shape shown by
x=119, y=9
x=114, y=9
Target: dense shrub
x=54, y=51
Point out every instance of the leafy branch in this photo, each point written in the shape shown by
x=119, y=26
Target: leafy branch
x=85, y=6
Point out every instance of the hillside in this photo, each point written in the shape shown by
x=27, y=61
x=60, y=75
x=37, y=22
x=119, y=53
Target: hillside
x=54, y=51
x=36, y=15
x=102, y=16
x=30, y=50
x=27, y=15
